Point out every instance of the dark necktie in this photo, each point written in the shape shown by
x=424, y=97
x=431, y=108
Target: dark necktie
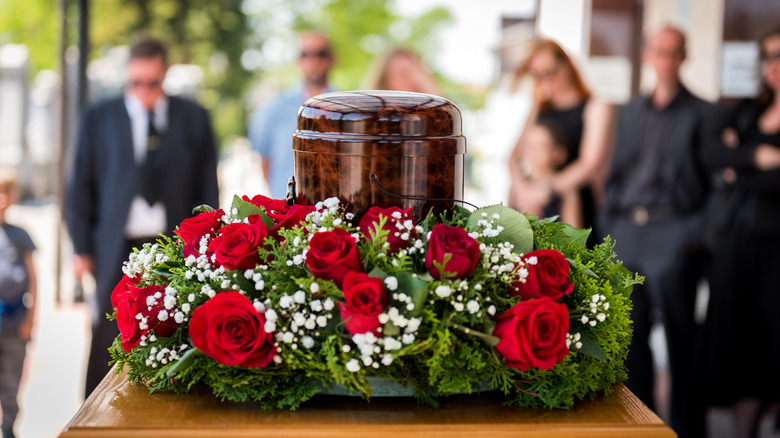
x=149, y=178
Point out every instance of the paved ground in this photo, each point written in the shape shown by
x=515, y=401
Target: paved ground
x=52, y=385
x=53, y=381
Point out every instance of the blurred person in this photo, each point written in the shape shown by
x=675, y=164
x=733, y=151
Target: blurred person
x=741, y=335
x=654, y=203
x=17, y=302
x=544, y=153
x=562, y=98
x=403, y=70
x=273, y=124
x=142, y=162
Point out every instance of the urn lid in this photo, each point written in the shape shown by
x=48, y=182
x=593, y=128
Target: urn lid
x=380, y=115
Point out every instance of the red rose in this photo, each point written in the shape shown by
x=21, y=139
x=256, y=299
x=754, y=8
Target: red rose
x=121, y=288
x=533, y=334
x=395, y=227
x=365, y=299
x=129, y=301
x=290, y=218
x=270, y=205
x=236, y=246
x=128, y=326
x=333, y=254
x=228, y=329
x=191, y=230
x=462, y=249
x=547, y=277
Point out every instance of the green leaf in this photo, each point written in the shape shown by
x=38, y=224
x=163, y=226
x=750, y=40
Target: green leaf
x=203, y=208
x=378, y=273
x=162, y=273
x=186, y=361
x=589, y=348
x=581, y=267
x=243, y=283
x=576, y=235
x=460, y=212
x=490, y=340
x=416, y=288
x=391, y=329
x=517, y=229
x=245, y=209
x=429, y=221
x=547, y=220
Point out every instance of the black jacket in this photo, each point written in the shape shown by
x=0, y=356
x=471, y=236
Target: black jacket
x=102, y=179
x=754, y=198
x=682, y=169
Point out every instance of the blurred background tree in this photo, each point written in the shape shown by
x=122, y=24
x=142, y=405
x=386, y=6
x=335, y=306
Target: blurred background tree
x=240, y=45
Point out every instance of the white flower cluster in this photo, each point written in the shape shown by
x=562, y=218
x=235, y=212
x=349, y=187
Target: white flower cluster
x=573, y=339
x=486, y=226
x=170, y=302
x=201, y=268
x=142, y=261
x=298, y=257
x=376, y=351
x=403, y=230
x=473, y=305
x=598, y=306
x=256, y=277
x=164, y=356
x=324, y=210
x=502, y=263
x=299, y=320
x=171, y=311
x=415, y=246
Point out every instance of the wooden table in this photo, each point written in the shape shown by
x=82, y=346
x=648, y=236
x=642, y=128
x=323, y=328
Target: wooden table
x=119, y=408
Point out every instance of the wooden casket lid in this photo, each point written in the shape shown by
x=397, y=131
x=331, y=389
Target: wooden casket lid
x=388, y=123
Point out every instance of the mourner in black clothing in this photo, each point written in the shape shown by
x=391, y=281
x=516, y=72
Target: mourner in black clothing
x=654, y=201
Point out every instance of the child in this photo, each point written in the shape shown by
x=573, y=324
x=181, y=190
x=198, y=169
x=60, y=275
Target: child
x=543, y=153
x=17, y=302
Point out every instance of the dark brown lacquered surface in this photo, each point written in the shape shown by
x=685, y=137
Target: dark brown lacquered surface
x=412, y=142
x=118, y=408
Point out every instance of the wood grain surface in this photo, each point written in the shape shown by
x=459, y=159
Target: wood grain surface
x=118, y=408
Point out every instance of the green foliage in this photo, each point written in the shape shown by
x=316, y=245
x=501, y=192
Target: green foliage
x=452, y=350
x=516, y=229
x=361, y=31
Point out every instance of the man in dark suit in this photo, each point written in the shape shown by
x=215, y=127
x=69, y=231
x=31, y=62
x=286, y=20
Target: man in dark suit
x=655, y=198
x=141, y=162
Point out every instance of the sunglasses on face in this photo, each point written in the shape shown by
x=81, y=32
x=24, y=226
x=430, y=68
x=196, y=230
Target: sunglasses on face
x=145, y=84
x=773, y=56
x=322, y=54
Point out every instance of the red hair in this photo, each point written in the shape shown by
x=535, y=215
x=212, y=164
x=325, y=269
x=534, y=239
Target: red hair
x=545, y=45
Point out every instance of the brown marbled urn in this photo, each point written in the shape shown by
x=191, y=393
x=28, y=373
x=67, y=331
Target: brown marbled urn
x=412, y=142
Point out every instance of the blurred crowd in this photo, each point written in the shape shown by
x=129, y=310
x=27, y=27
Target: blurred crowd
x=687, y=190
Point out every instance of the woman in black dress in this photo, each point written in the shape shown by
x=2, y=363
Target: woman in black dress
x=562, y=98
x=740, y=366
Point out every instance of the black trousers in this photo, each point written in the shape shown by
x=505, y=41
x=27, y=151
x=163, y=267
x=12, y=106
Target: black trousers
x=104, y=331
x=665, y=254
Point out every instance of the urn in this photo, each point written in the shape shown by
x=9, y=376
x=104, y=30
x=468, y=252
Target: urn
x=383, y=148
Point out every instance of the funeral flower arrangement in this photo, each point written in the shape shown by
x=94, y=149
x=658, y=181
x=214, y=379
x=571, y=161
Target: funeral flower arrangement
x=275, y=304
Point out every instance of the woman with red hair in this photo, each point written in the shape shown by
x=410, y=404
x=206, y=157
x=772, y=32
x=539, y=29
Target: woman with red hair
x=562, y=98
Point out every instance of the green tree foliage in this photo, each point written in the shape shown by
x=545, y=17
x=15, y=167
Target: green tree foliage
x=362, y=31
x=219, y=36
x=35, y=23
x=209, y=34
